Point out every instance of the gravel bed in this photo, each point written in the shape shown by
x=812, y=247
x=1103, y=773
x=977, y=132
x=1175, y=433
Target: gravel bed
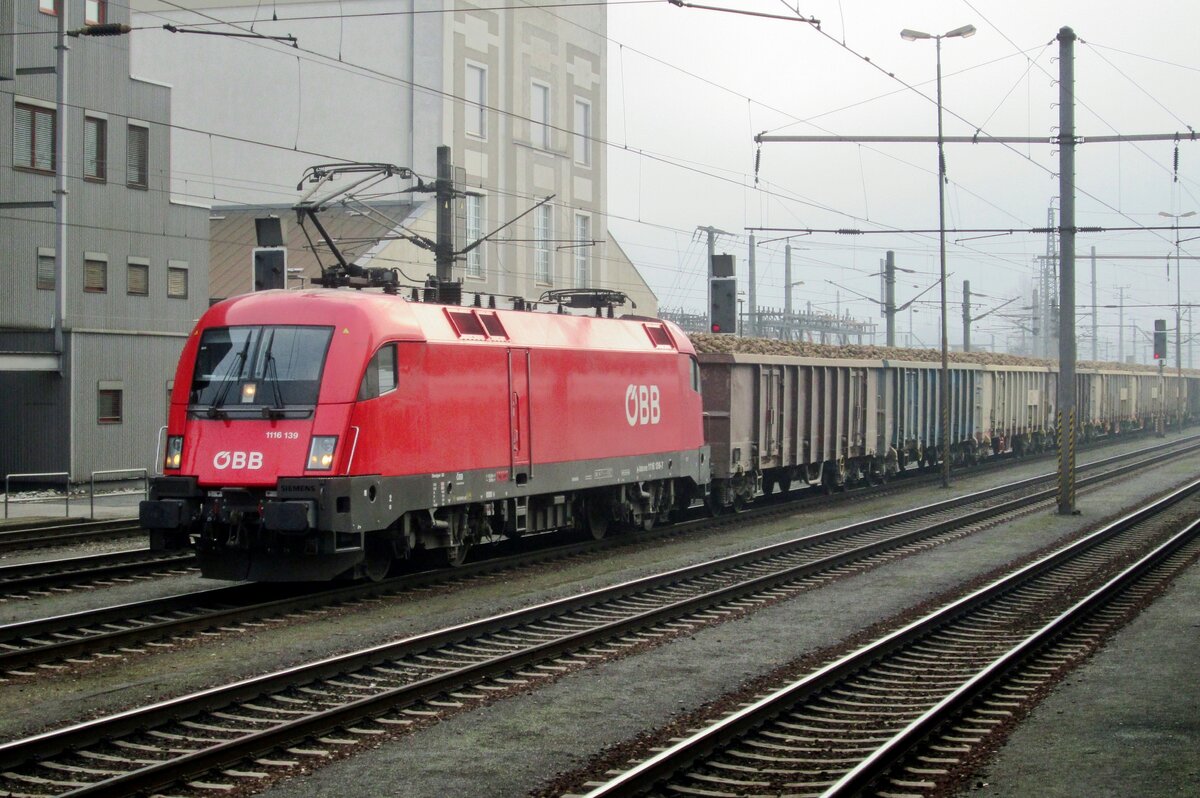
x=1127, y=723
x=740, y=651
x=513, y=747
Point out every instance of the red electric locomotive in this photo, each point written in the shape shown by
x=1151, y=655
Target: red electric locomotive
x=325, y=433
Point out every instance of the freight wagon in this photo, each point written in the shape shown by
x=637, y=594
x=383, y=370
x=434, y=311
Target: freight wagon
x=775, y=421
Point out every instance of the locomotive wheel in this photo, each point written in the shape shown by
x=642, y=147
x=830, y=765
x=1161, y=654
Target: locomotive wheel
x=597, y=520
x=377, y=559
x=455, y=556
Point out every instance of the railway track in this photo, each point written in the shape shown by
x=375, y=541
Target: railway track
x=66, y=532
x=899, y=715
x=89, y=633
x=271, y=723
x=26, y=578
x=21, y=579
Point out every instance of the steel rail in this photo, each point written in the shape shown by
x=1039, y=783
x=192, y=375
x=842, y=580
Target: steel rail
x=647, y=775
x=42, y=536
x=79, y=570
x=48, y=744
x=885, y=757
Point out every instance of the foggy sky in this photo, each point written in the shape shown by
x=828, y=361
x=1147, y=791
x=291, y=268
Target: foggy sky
x=689, y=88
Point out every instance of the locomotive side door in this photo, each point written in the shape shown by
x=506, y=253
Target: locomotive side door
x=518, y=414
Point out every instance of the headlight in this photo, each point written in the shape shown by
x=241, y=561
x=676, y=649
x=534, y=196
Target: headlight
x=174, y=451
x=320, y=452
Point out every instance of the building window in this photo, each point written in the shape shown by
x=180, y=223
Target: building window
x=108, y=403
x=583, y=132
x=48, y=7
x=45, y=269
x=539, y=114
x=95, y=273
x=474, y=231
x=95, y=148
x=33, y=137
x=543, y=233
x=137, y=161
x=177, y=282
x=583, y=242
x=137, y=279
x=95, y=12
x=476, y=114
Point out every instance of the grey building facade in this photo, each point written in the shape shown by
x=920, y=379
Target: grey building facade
x=135, y=263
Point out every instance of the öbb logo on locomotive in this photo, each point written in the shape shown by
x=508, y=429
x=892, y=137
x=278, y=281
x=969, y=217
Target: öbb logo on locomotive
x=642, y=405
x=238, y=460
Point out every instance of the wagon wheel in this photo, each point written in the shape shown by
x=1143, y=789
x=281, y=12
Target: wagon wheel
x=712, y=503
x=785, y=484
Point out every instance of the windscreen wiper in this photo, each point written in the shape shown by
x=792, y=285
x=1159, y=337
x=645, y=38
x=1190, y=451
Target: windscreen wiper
x=214, y=410
x=276, y=410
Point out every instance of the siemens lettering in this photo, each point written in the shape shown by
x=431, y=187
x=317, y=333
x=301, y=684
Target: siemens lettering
x=642, y=405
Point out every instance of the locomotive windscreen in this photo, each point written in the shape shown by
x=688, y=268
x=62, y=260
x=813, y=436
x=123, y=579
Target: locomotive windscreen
x=261, y=369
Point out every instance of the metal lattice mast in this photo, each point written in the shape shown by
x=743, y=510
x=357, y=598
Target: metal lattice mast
x=1049, y=286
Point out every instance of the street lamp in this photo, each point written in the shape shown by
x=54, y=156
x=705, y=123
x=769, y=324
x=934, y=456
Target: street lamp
x=1178, y=316
x=944, y=398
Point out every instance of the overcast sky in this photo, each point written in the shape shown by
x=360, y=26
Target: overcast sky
x=689, y=88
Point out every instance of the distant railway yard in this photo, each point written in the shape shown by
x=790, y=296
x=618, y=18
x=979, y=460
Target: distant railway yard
x=898, y=640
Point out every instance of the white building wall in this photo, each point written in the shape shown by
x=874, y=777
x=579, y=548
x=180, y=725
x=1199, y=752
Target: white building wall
x=252, y=115
x=377, y=83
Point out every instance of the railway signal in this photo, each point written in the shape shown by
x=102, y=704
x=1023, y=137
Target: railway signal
x=270, y=268
x=723, y=309
x=1160, y=339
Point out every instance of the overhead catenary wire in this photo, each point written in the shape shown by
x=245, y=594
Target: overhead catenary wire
x=780, y=195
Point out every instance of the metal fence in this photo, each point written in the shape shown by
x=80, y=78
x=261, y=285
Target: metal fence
x=63, y=475
x=130, y=474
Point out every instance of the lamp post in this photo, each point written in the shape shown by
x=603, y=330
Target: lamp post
x=1178, y=315
x=944, y=394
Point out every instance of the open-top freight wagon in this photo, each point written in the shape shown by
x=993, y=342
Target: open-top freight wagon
x=780, y=421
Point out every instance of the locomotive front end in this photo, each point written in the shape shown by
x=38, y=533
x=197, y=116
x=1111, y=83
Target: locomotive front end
x=256, y=455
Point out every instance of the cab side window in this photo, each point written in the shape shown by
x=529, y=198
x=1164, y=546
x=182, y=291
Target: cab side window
x=695, y=375
x=380, y=376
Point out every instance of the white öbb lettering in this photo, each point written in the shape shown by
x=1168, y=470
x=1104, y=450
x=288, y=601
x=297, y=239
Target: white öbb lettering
x=642, y=405
x=251, y=461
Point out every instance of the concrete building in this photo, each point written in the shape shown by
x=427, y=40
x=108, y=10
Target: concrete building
x=518, y=94
x=135, y=264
